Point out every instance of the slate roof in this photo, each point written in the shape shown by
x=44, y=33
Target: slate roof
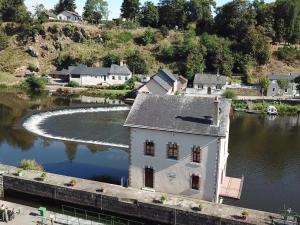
x=51, y=14
x=210, y=79
x=119, y=70
x=100, y=71
x=183, y=114
x=289, y=77
x=165, y=79
x=70, y=13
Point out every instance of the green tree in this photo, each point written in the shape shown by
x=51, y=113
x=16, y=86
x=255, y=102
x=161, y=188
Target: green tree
x=256, y=44
x=200, y=11
x=219, y=57
x=34, y=83
x=95, y=10
x=63, y=5
x=195, y=63
x=130, y=9
x=287, y=20
x=14, y=11
x=110, y=59
x=264, y=83
x=148, y=37
x=283, y=84
x=234, y=18
x=136, y=63
x=149, y=15
x=173, y=13
x=40, y=13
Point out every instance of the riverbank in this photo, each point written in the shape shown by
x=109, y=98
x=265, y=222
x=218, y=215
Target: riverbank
x=259, y=106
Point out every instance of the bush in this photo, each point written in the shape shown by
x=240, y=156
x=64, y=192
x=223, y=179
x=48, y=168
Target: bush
x=148, y=37
x=73, y=84
x=106, y=36
x=33, y=68
x=124, y=37
x=54, y=29
x=69, y=30
x=164, y=30
x=4, y=41
x=288, y=54
x=64, y=61
x=163, y=199
x=130, y=25
x=229, y=94
x=30, y=165
x=34, y=83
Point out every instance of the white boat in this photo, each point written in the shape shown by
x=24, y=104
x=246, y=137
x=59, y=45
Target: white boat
x=271, y=110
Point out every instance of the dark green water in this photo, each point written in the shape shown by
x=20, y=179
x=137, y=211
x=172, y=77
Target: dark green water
x=265, y=150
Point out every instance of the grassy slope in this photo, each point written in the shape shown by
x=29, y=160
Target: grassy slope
x=15, y=60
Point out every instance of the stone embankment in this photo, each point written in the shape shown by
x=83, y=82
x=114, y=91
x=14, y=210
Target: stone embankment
x=127, y=201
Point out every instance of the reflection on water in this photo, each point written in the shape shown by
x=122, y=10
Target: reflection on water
x=266, y=150
x=67, y=158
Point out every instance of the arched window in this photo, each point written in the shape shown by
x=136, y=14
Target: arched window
x=196, y=154
x=172, y=151
x=149, y=148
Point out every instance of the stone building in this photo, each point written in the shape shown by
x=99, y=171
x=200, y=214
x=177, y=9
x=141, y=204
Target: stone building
x=179, y=145
x=276, y=89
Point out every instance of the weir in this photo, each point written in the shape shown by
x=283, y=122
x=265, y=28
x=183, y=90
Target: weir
x=33, y=123
x=130, y=202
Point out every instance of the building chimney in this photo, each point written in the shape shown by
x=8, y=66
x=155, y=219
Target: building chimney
x=122, y=63
x=217, y=110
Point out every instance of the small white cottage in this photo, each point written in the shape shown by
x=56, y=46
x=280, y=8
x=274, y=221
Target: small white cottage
x=209, y=84
x=179, y=145
x=69, y=16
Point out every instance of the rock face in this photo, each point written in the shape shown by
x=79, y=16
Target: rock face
x=31, y=51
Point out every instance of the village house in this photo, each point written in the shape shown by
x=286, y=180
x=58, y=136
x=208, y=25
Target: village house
x=179, y=145
x=69, y=16
x=164, y=82
x=208, y=84
x=93, y=76
x=51, y=15
x=282, y=85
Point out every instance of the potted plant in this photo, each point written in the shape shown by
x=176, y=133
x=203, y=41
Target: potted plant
x=20, y=172
x=73, y=182
x=44, y=176
x=163, y=199
x=245, y=214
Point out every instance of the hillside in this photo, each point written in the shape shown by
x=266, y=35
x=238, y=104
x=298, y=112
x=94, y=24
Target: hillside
x=93, y=43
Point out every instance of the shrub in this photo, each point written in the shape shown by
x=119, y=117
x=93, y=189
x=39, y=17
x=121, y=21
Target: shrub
x=124, y=37
x=245, y=213
x=283, y=84
x=69, y=30
x=44, y=176
x=34, y=83
x=33, y=68
x=64, y=61
x=148, y=37
x=229, y=94
x=30, y=165
x=163, y=199
x=288, y=54
x=164, y=30
x=4, y=41
x=73, y=84
x=130, y=25
x=73, y=182
x=106, y=36
x=54, y=29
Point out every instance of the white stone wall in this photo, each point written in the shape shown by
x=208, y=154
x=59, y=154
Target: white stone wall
x=87, y=80
x=198, y=89
x=275, y=90
x=174, y=176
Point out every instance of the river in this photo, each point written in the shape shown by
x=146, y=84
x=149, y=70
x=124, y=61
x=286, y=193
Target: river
x=265, y=150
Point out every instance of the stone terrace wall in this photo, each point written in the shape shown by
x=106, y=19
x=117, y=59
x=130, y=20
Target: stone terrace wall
x=141, y=207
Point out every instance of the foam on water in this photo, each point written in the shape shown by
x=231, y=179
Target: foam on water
x=33, y=123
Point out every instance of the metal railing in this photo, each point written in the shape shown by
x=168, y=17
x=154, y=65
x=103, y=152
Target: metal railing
x=84, y=217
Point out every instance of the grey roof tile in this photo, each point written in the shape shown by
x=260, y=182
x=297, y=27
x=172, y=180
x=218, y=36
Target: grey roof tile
x=183, y=114
x=210, y=79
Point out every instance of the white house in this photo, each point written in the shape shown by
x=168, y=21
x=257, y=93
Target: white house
x=164, y=82
x=93, y=76
x=208, y=84
x=276, y=89
x=69, y=16
x=179, y=145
